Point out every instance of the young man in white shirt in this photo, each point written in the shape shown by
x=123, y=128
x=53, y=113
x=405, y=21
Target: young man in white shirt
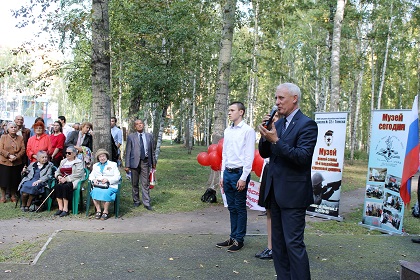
x=237, y=157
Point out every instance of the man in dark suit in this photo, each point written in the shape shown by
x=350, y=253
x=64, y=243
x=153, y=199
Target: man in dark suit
x=290, y=144
x=139, y=158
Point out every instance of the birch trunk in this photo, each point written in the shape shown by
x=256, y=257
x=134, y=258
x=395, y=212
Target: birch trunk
x=160, y=133
x=223, y=75
x=254, y=70
x=382, y=78
x=335, y=56
x=101, y=104
x=192, y=117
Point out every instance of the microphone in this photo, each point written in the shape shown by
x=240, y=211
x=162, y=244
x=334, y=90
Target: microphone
x=270, y=120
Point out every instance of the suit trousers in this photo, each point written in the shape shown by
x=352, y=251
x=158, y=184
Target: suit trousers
x=289, y=251
x=141, y=175
x=236, y=204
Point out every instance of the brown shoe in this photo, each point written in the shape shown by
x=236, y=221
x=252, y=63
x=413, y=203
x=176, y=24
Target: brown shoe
x=3, y=200
x=13, y=198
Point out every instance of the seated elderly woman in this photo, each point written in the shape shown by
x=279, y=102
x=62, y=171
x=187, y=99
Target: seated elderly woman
x=35, y=180
x=69, y=173
x=104, y=179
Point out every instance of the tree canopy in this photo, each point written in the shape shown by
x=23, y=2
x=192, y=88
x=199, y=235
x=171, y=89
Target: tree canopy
x=165, y=55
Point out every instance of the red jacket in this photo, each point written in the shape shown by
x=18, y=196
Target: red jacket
x=36, y=144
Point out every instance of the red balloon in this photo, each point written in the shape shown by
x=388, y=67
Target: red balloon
x=215, y=161
x=220, y=147
x=257, y=164
x=256, y=155
x=258, y=172
x=203, y=159
x=221, y=142
x=211, y=148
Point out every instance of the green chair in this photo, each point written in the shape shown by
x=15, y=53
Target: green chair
x=116, y=201
x=77, y=194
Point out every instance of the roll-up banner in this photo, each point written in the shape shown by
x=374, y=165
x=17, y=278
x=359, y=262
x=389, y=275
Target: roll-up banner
x=387, y=176
x=327, y=165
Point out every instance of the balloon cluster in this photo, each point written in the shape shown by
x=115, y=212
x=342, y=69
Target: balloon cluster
x=213, y=158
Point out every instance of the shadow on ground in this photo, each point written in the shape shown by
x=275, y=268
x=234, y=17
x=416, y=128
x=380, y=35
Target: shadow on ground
x=87, y=255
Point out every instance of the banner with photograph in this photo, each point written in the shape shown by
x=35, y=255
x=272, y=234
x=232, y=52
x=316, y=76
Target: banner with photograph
x=327, y=164
x=383, y=206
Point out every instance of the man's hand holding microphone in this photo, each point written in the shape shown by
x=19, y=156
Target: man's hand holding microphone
x=267, y=129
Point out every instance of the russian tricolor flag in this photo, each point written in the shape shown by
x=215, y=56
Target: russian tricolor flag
x=411, y=161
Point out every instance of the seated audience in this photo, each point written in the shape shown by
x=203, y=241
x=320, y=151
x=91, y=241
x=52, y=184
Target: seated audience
x=106, y=174
x=69, y=173
x=35, y=180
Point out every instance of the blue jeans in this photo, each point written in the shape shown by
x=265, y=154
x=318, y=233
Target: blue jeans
x=236, y=204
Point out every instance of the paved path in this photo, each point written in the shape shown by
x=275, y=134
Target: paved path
x=211, y=220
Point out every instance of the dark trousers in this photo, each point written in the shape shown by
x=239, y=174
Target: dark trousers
x=236, y=204
x=289, y=251
x=141, y=175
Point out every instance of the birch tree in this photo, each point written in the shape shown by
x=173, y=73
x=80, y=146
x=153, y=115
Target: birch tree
x=223, y=75
x=335, y=56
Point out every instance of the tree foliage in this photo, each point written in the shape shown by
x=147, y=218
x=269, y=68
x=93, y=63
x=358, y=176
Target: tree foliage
x=164, y=57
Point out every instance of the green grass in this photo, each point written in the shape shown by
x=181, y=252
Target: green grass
x=24, y=252
x=354, y=175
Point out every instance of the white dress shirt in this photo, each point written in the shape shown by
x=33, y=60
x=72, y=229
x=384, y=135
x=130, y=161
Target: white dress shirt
x=239, y=148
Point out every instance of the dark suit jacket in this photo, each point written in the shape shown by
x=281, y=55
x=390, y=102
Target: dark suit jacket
x=132, y=150
x=71, y=140
x=289, y=171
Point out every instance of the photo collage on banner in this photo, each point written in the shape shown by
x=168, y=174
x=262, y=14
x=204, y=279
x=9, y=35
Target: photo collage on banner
x=327, y=164
x=383, y=205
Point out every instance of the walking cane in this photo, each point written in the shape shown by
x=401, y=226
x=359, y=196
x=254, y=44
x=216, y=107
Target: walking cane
x=45, y=200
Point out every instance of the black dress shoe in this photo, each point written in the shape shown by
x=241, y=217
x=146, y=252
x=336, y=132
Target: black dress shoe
x=416, y=240
x=262, y=253
x=136, y=204
x=148, y=207
x=64, y=213
x=268, y=254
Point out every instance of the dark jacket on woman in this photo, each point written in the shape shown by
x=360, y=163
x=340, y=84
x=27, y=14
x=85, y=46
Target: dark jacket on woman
x=71, y=140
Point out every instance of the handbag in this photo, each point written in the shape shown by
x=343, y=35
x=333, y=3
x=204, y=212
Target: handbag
x=101, y=185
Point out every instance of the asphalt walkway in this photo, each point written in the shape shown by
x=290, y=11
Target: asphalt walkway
x=87, y=255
